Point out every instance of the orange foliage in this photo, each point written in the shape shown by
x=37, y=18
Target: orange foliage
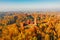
x=35, y=27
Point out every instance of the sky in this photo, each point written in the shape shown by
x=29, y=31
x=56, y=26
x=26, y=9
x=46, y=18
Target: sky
x=9, y=5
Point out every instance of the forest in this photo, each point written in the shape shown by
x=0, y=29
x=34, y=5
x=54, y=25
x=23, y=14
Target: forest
x=30, y=26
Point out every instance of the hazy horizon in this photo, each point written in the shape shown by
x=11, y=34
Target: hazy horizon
x=19, y=5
